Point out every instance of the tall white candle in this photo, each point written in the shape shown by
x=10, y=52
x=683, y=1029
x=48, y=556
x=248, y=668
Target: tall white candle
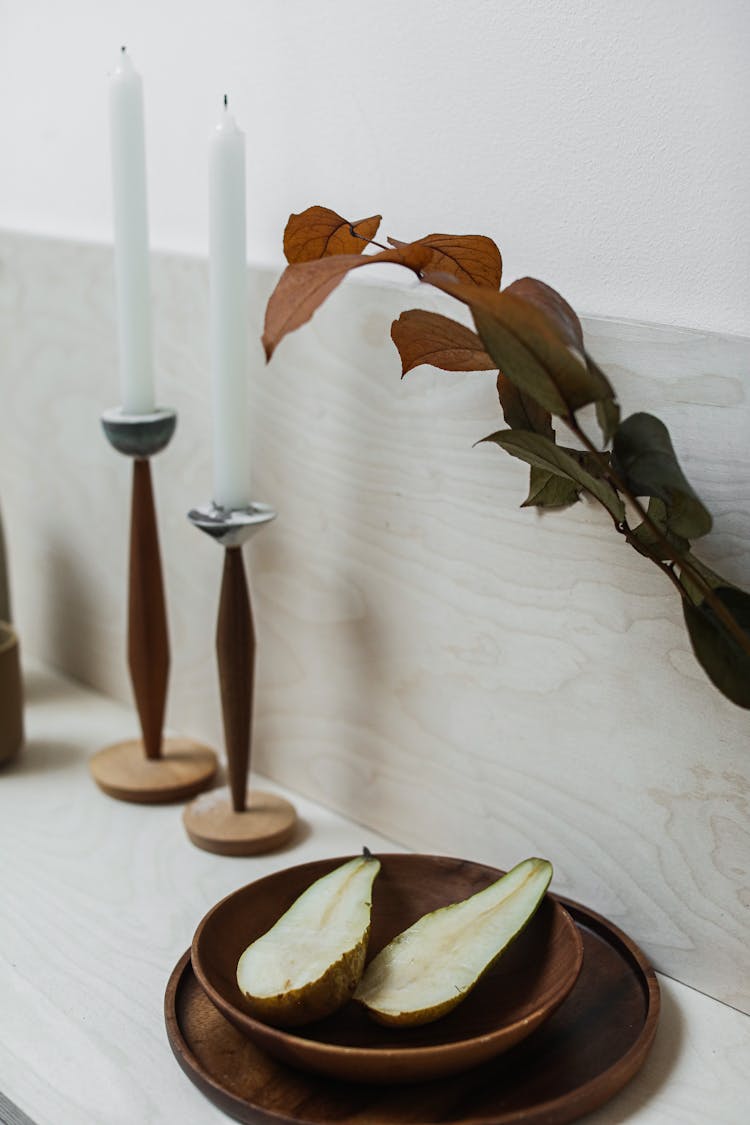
x=228, y=313
x=131, y=237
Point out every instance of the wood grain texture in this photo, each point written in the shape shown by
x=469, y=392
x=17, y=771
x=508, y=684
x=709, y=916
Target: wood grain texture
x=11, y=1115
x=182, y=769
x=148, y=640
x=512, y=1000
x=460, y=674
x=590, y=1048
x=99, y=898
x=263, y=824
x=235, y=654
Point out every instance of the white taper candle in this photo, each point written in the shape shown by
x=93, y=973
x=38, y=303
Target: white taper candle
x=228, y=313
x=131, y=238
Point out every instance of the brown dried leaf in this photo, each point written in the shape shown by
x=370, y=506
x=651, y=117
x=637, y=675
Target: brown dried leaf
x=304, y=286
x=319, y=232
x=472, y=258
x=427, y=337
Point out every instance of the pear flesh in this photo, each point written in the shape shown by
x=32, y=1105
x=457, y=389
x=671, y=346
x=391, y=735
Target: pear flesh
x=309, y=963
x=429, y=968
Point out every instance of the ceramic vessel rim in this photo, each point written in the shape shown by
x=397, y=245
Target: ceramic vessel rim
x=118, y=414
x=322, y=1050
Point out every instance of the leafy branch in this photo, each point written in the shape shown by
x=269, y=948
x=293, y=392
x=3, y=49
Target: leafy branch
x=533, y=339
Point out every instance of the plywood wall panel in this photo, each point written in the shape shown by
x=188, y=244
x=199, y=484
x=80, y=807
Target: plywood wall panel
x=455, y=672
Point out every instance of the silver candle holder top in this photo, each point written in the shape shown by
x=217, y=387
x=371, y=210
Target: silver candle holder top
x=139, y=435
x=231, y=527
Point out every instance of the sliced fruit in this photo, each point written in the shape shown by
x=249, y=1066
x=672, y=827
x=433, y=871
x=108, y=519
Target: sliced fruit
x=428, y=969
x=309, y=963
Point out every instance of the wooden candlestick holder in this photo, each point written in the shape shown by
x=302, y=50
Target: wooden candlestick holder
x=152, y=769
x=236, y=820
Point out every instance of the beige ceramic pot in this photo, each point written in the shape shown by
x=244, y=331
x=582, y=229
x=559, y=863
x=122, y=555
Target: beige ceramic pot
x=11, y=694
x=5, y=614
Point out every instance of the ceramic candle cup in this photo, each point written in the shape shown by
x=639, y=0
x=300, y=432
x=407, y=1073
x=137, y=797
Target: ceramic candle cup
x=11, y=694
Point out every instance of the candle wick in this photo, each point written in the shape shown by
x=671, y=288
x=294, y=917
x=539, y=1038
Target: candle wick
x=122, y=49
x=226, y=101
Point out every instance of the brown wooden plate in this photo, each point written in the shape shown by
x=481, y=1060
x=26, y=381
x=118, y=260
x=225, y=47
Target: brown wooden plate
x=522, y=990
x=589, y=1049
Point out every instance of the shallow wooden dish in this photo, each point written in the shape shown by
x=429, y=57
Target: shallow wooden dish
x=591, y=1047
x=525, y=987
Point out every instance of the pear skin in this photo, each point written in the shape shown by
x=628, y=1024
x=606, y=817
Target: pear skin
x=429, y=968
x=310, y=962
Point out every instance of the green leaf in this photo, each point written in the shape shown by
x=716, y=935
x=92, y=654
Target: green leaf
x=710, y=577
x=642, y=454
x=549, y=490
x=652, y=545
x=539, y=451
x=607, y=411
x=725, y=662
x=593, y=463
x=529, y=345
x=522, y=412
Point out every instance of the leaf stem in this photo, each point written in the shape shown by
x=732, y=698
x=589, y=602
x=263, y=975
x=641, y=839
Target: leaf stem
x=707, y=590
x=370, y=241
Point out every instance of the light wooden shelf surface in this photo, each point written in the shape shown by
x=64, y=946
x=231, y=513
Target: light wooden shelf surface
x=100, y=898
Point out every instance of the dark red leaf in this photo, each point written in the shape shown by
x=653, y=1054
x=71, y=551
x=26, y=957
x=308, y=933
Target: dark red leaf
x=528, y=347
x=550, y=302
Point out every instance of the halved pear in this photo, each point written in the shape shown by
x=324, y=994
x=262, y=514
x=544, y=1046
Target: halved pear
x=309, y=963
x=431, y=967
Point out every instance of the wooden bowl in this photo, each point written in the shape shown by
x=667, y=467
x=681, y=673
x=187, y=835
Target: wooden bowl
x=522, y=990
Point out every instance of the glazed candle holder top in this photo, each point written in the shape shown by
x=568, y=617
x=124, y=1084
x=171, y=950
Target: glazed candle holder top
x=152, y=769
x=236, y=820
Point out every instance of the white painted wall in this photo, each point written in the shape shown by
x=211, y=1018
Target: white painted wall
x=603, y=143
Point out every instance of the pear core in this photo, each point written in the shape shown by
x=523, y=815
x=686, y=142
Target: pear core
x=429, y=968
x=309, y=963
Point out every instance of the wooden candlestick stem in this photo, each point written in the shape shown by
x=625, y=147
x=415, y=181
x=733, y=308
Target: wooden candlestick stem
x=235, y=651
x=151, y=769
x=148, y=639
x=233, y=821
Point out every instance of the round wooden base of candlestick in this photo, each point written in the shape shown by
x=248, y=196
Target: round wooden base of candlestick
x=184, y=769
x=266, y=823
